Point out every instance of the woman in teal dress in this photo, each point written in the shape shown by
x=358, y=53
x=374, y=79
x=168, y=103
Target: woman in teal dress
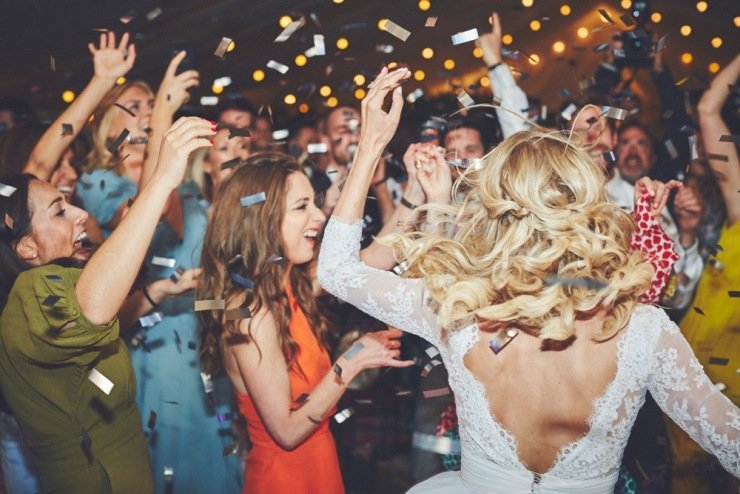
x=188, y=428
x=64, y=371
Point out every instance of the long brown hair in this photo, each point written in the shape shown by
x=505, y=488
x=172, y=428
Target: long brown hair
x=240, y=241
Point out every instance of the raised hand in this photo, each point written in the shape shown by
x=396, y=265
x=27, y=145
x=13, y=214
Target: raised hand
x=111, y=61
x=688, y=207
x=490, y=43
x=378, y=126
x=183, y=137
x=658, y=191
x=377, y=349
x=173, y=91
x=435, y=176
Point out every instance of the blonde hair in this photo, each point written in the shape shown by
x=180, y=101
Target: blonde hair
x=100, y=156
x=536, y=212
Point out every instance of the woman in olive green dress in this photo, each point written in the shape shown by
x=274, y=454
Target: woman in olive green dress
x=64, y=371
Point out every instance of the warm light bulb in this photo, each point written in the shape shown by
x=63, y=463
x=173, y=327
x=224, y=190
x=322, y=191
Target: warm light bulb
x=68, y=96
x=392, y=65
x=535, y=25
x=716, y=42
x=217, y=88
x=300, y=60
x=289, y=99
x=427, y=53
x=527, y=3
x=687, y=58
x=342, y=43
x=381, y=24
x=258, y=75
x=324, y=91
x=332, y=102
x=121, y=81
x=582, y=32
x=303, y=108
x=701, y=6
x=565, y=9
x=656, y=17
x=558, y=47
x=284, y=21
x=424, y=4
x=736, y=20
x=419, y=75
x=507, y=39
x=359, y=79
x=477, y=52
x=626, y=4
x=533, y=59
x=685, y=30
x=338, y=1
x=359, y=93
x=485, y=81
x=714, y=67
x=231, y=47
x=449, y=64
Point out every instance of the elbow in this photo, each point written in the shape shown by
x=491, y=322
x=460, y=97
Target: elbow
x=288, y=441
x=96, y=316
x=706, y=108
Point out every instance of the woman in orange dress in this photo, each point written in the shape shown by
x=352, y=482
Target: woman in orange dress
x=263, y=328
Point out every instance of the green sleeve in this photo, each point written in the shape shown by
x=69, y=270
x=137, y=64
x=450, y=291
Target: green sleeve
x=58, y=331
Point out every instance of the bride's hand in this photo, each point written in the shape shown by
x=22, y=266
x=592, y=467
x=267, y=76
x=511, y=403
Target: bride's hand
x=378, y=126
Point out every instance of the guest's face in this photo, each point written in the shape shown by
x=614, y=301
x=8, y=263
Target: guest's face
x=57, y=227
x=140, y=104
x=591, y=131
x=64, y=177
x=223, y=150
x=635, y=154
x=343, y=129
x=302, y=222
x=464, y=143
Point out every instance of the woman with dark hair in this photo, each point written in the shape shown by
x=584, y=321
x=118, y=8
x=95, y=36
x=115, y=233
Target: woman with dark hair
x=64, y=371
x=271, y=338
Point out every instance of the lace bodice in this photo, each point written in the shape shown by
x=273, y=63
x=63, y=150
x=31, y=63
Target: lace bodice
x=652, y=355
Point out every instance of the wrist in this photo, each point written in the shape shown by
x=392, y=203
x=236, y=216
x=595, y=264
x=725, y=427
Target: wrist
x=492, y=66
x=414, y=193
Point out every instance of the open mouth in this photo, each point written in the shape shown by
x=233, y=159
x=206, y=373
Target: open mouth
x=82, y=241
x=311, y=235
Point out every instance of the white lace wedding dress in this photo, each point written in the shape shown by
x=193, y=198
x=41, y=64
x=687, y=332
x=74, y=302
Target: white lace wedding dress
x=652, y=355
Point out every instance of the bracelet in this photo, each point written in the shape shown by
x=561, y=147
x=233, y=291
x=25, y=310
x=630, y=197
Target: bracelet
x=148, y=297
x=491, y=67
x=338, y=376
x=407, y=204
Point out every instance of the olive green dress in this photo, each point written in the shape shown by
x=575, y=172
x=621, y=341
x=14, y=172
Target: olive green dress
x=82, y=440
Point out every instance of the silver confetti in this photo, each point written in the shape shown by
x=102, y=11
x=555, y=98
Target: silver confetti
x=166, y=262
x=6, y=190
x=318, y=44
x=272, y=64
x=201, y=305
x=396, y=30
x=316, y=148
x=465, y=99
x=344, y=415
x=290, y=29
x=222, y=47
x=465, y=36
x=252, y=199
x=99, y=380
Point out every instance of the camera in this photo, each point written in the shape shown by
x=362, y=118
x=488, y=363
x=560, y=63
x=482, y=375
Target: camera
x=637, y=45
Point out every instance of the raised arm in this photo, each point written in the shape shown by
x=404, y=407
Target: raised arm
x=513, y=99
x=685, y=393
x=107, y=278
x=110, y=63
x=712, y=129
x=265, y=373
x=397, y=302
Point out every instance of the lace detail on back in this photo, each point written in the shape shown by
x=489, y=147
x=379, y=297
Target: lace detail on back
x=652, y=355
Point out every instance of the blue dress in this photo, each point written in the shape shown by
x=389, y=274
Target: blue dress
x=188, y=429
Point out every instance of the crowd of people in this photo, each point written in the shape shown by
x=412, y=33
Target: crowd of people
x=190, y=306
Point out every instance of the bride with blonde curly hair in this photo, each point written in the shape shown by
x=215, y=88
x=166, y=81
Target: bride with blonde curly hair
x=531, y=290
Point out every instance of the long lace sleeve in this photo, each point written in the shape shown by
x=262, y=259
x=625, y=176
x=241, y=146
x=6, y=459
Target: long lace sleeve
x=650, y=239
x=513, y=98
x=396, y=301
x=683, y=391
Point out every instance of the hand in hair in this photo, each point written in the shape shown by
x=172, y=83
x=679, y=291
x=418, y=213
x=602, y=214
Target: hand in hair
x=490, y=43
x=111, y=61
x=435, y=176
x=659, y=192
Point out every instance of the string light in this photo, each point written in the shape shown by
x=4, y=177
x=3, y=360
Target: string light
x=300, y=60
x=656, y=17
x=687, y=58
x=325, y=91
x=381, y=24
x=359, y=79
x=359, y=93
x=332, y=102
x=449, y=64
x=685, y=30
x=284, y=21
x=289, y=99
x=626, y=4
x=535, y=25
x=716, y=42
x=427, y=53
x=507, y=39
x=533, y=59
x=558, y=47
x=485, y=81
x=527, y=3
x=258, y=75
x=582, y=33
x=424, y=4
x=714, y=67
x=565, y=9
x=702, y=6
x=121, y=81
x=419, y=75
x=303, y=108
x=342, y=43
x=68, y=96
x=231, y=47
x=477, y=52
x=217, y=88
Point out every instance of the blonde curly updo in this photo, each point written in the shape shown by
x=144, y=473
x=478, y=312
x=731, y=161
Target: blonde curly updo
x=535, y=212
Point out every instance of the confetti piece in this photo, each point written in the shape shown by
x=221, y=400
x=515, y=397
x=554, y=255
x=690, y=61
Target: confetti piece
x=353, y=350
x=168, y=473
x=67, y=129
x=275, y=259
x=223, y=45
x=317, y=148
x=116, y=143
x=718, y=157
x=290, y=29
x=729, y=138
x=694, y=151
x=567, y=113
x=281, y=134
x=125, y=19
x=718, y=361
x=662, y=42
x=152, y=422
x=272, y=64
x=344, y=415
x=201, y=305
x=432, y=351
x=615, y=113
x=501, y=339
x=230, y=164
x=9, y=221
x=465, y=36
x=209, y=100
x=720, y=386
x=6, y=190
x=627, y=20
x=401, y=268
x=207, y=383
x=384, y=48
x=403, y=392
x=99, y=380
x=609, y=157
x=252, y=199
x=734, y=293
x=237, y=314
x=442, y=445
x=299, y=402
x=54, y=277
x=166, y=262
x=230, y=449
x=465, y=99
x=153, y=14
x=52, y=63
x=698, y=311
x=318, y=44
x=118, y=105
x=606, y=17
x=179, y=271
x=416, y=94
x=429, y=366
x=431, y=21
x=150, y=320
x=396, y=30
x=241, y=280
x=436, y=393
x=51, y=300
x=688, y=130
x=671, y=148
